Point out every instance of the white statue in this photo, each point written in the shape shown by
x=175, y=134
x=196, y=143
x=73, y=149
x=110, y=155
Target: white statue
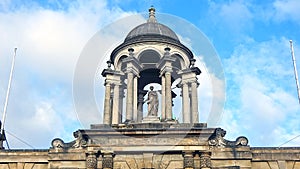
x=152, y=102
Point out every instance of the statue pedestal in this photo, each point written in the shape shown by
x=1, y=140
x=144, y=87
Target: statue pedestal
x=151, y=119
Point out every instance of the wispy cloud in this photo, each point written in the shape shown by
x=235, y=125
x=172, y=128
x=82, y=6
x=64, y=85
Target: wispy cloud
x=49, y=41
x=287, y=10
x=265, y=95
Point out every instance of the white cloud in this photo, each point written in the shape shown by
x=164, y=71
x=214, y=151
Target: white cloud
x=265, y=95
x=49, y=43
x=234, y=15
x=287, y=10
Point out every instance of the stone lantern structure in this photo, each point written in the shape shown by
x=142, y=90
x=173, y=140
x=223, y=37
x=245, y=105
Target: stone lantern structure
x=150, y=53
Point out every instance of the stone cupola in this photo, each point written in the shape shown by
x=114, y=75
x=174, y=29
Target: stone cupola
x=150, y=53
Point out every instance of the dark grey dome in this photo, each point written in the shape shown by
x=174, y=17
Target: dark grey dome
x=151, y=29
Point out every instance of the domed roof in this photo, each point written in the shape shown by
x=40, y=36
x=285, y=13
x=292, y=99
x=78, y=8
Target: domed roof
x=151, y=29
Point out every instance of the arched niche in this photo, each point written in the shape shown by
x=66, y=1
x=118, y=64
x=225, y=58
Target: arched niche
x=120, y=64
x=179, y=62
x=148, y=58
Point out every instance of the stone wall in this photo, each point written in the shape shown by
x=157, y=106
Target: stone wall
x=159, y=148
x=24, y=159
x=224, y=158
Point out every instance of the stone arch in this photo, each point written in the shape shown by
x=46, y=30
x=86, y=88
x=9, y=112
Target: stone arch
x=183, y=58
x=148, y=58
x=179, y=62
x=120, y=64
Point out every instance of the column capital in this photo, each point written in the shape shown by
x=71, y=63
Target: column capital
x=133, y=65
x=106, y=72
x=107, y=159
x=188, y=153
x=132, y=70
x=113, y=77
x=107, y=153
x=113, y=82
x=165, y=64
x=194, y=70
x=188, y=76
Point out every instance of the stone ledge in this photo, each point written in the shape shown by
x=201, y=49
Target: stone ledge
x=151, y=125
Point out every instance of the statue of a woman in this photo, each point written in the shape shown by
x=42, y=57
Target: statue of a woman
x=152, y=102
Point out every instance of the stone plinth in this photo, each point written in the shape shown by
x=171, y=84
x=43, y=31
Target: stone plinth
x=150, y=137
x=151, y=119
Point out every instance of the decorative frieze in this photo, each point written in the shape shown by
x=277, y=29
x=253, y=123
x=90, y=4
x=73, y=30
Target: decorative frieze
x=107, y=160
x=188, y=160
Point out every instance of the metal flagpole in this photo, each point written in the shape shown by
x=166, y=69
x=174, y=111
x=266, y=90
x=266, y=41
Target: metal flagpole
x=295, y=69
x=6, y=99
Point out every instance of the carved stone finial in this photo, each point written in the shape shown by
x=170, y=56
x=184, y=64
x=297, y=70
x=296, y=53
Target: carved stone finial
x=193, y=62
x=152, y=14
x=130, y=50
x=167, y=51
x=109, y=64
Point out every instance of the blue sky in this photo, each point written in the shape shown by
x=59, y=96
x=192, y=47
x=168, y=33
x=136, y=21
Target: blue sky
x=250, y=37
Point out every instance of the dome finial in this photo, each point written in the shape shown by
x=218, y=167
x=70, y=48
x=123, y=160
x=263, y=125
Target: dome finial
x=152, y=14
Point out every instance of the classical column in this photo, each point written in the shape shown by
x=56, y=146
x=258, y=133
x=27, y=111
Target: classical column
x=121, y=94
x=91, y=160
x=194, y=102
x=129, y=99
x=116, y=107
x=141, y=99
x=168, y=95
x=163, y=98
x=135, y=100
x=185, y=103
x=107, y=108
